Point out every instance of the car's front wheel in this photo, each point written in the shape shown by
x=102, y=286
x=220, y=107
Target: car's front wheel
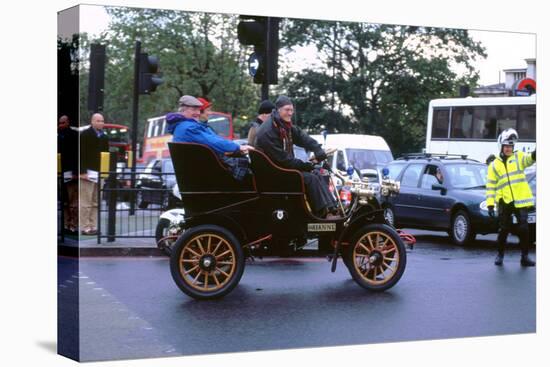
x=376, y=257
x=461, y=231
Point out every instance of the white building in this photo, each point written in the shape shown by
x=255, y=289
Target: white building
x=511, y=77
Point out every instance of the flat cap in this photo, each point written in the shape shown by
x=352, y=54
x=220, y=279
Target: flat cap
x=189, y=101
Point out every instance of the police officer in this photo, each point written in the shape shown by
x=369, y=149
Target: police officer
x=507, y=186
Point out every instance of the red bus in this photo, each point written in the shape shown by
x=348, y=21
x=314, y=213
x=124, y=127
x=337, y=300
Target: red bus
x=156, y=137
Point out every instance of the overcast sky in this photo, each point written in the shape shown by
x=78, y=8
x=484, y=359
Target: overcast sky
x=505, y=50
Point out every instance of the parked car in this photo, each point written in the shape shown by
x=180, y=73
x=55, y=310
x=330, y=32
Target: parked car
x=450, y=203
x=155, y=184
x=455, y=202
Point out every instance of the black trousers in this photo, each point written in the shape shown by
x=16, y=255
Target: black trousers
x=317, y=193
x=505, y=212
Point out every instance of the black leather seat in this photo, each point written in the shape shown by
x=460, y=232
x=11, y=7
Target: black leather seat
x=204, y=182
x=271, y=178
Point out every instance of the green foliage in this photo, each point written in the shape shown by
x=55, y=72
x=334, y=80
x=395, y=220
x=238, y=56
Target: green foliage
x=199, y=55
x=378, y=79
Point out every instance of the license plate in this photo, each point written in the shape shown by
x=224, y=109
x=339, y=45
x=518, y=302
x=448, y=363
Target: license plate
x=321, y=227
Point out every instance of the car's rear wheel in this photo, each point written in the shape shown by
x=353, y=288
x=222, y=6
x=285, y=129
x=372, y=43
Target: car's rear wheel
x=461, y=231
x=207, y=262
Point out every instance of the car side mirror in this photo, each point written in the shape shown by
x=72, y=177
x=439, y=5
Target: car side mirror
x=440, y=187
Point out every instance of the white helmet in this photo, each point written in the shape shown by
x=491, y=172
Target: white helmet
x=507, y=137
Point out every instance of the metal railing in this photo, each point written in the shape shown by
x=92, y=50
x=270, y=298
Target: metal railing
x=118, y=218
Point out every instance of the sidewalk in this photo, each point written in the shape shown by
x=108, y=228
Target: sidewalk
x=131, y=247
x=88, y=247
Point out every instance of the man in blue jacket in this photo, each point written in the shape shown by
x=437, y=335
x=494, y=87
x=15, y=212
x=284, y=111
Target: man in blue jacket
x=185, y=127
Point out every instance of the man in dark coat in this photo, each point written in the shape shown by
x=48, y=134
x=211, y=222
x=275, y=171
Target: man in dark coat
x=266, y=107
x=92, y=142
x=276, y=137
x=67, y=147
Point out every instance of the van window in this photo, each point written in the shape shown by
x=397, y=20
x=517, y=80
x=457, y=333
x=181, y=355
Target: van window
x=485, y=123
x=440, y=123
x=507, y=118
x=527, y=123
x=461, y=123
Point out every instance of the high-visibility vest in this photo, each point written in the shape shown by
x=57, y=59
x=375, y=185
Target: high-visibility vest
x=506, y=181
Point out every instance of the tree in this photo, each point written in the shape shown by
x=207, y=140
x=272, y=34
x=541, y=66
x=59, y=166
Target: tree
x=199, y=55
x=382, y=77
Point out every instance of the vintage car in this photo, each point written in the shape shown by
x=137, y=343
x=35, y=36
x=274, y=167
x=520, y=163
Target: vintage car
x=227, y=221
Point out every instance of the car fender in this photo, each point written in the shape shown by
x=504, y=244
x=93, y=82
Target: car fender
x=176, y=214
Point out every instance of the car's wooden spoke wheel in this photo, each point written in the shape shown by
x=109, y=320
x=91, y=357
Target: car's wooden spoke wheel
x=207, y=262
x=376, y=257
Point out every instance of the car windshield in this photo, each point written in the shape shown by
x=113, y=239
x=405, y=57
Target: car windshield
x=467, y=176
x=367, y=158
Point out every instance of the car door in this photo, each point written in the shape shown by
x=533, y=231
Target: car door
x=406, y=203
x=434, y=205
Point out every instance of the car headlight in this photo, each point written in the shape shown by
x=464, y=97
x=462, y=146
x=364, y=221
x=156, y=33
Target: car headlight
x=483, y=205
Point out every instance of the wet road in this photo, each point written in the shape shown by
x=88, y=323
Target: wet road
x=131, y=308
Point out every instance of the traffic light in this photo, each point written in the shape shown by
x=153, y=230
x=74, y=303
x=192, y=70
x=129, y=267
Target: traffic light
x=148, y=69
x=263, y=34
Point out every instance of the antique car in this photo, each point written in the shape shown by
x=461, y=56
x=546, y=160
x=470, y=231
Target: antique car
x=227, y=221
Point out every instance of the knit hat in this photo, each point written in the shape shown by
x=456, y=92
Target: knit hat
x=205, y=103
x=282, y=101
x=266, y=107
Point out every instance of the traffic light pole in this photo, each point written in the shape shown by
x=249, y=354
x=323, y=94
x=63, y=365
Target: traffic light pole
x=265, y=91
x=135, y=111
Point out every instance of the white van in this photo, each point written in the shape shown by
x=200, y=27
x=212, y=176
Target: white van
x=366, y=153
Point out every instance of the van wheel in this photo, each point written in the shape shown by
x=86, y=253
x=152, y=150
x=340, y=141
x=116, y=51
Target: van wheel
x=461, y=231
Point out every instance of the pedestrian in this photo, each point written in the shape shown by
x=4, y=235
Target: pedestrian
x=67, y=147
x=186, y=127
x=266, y=107
x=93, y=141
x=508, y=189
x=277, y=136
